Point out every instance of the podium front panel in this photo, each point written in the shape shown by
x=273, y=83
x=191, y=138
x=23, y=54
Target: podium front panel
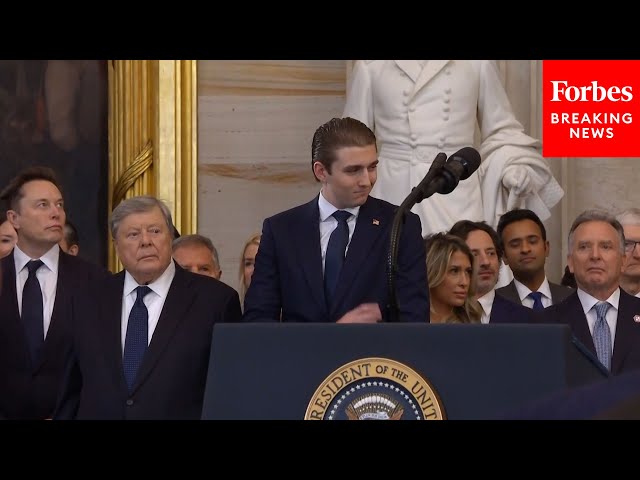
x=272, y=370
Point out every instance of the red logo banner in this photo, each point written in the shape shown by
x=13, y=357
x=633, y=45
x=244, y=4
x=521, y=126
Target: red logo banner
x=591, y=108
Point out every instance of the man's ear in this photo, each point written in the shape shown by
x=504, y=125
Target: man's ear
x=320, y=171
x=73, y=250
x=12, y=217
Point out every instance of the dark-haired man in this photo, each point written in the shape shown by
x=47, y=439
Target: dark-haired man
x=483, y=241
x=70, y=242
x=526, y=248
x=39, y=280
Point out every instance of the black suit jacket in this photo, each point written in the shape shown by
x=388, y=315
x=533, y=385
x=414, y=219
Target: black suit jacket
x=288, y=272
x=26, y=391
x=171, y=380
x=506, y=311
x=558, y=292
x=626, y=346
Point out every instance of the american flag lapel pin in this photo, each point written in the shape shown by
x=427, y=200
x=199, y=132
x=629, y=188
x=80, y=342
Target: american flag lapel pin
x=376, y=221
x=636, y=318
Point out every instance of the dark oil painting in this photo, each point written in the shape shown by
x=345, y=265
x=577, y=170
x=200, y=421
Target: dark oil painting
x=54, y=113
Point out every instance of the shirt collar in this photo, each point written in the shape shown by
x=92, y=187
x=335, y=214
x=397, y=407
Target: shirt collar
x=587, y=301
x=327, y=209
x=486, y=301
x=524, y=291
x=160, y=286
x=49, y=259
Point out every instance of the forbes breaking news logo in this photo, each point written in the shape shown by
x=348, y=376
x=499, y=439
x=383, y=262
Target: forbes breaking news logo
x=589, y=108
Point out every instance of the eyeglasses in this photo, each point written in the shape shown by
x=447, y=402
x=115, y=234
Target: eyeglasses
x=630, y=245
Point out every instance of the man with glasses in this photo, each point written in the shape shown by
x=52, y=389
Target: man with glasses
x=630, y=278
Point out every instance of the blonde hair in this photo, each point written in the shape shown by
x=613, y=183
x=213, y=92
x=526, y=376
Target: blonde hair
x=440, y=248
x=252, y=240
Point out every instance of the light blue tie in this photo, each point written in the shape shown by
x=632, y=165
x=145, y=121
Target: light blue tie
x=602, y=334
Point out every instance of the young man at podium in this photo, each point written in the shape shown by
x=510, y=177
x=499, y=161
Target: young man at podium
x=325, y=261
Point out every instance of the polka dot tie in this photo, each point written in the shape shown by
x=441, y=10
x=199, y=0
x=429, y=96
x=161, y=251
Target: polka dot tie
x=137, y=338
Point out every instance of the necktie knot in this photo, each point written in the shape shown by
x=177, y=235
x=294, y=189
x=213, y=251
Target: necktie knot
x=537, y=300
x=341, y=215
x=141, y=292
x=601, y=309
x=33, y=266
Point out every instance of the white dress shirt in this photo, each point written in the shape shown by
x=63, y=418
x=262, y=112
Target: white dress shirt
x=154, y=300
x=47, y=275
x=588, y=302
x=486, y=302
x=524, y=291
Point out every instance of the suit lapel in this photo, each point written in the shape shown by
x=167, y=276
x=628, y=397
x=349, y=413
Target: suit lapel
x=429, y=71
x=624, y=333
x=11, y=312
x=60, y=307
x=512, y=293
x=364, y=235
x=9, y=291
x=411, y=67
x=572, y=310
x=110, y=320
x=307, y=244
x=175, y=309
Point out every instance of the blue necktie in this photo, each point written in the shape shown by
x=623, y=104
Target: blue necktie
x=32, y=312
x=136, y=341
x=334, y=257
x=602, y=335
x=537, y=301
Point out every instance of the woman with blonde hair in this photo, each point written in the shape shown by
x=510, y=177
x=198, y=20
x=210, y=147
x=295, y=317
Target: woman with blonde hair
x=247, y=263
x=450, y=277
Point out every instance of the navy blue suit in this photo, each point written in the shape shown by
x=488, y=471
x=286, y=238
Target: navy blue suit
x=171, y=381
x=626, y=347
x=506, y=311
x=287, y=283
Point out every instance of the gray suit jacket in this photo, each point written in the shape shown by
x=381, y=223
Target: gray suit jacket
x=558, y=292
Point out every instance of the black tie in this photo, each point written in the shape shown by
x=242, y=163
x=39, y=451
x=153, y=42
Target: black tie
x=136, y=341
x=334, y=257
x=32, y=312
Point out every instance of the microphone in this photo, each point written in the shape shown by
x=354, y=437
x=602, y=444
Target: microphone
x=459, y=166
x=416, y=194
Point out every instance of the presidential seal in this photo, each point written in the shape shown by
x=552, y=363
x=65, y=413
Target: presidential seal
x=375, y=389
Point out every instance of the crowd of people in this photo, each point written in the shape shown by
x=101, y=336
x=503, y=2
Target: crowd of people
x=80, y=342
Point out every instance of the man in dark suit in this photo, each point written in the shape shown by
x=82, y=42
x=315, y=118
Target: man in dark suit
x=302, y=273
x=524, y=241
x=34, y=329
x=602, y=316
x=141, y=339
x=487, y=252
